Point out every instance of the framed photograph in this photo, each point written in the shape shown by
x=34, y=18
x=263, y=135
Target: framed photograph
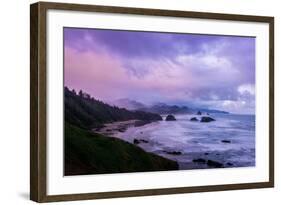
x=134, y=102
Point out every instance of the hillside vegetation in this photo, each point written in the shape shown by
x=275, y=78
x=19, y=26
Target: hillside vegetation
x=87, y=152
x=91, y=153
x=86, y=112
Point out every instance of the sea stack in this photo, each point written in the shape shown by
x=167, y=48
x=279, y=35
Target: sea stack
x=193, y=119
x=170, y=118
x=207, y=119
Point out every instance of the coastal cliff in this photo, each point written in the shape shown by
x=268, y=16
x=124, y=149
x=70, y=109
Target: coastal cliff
x=89, y=152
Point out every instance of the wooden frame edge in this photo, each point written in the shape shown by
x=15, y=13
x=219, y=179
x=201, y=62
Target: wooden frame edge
x=154, y=192
x=153, y=12
x=271, y=101
x=34, y=187
x=38, y=174
x=37, y=102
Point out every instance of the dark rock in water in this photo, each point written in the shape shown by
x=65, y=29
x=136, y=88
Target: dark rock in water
x=138, y=141
x=229, y=164
x=141, y=132
x=208, y=114
x=199, y=160
x=216, y=164
x=173, y=152
x=199, y=113
x=207, y=119
x=123, y=129
x=170, y=118
x=226, y=141
x=194, y=119
x=143, y=141
x=217, y=154
x=206, y=153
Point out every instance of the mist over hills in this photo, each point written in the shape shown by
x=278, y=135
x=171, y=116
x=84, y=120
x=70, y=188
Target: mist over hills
x=86, y=112
x=129, y=104
x=161, y=108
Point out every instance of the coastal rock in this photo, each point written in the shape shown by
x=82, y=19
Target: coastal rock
x=199, y=113
x=199, y=160
x=226, y=141
x=207, y=119
x=170, y=118
x=138, y=141
x=194, y=119
x=206, y=153
x=229, y=164
x=144, y=141
x=173, y=152
x=122, y=129
x=215, y=164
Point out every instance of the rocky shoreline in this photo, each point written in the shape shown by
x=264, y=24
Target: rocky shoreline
x=110, y=129
x=194, y=160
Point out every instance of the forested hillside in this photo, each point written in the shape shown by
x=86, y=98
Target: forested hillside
x=87, y=112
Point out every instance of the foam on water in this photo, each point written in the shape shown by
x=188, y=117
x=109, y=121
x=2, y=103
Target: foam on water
x=195, y=139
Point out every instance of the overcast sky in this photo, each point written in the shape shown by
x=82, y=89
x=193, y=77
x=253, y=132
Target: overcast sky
x=195, y=70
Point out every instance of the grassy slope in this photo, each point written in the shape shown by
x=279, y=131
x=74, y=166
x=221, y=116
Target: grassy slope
x=91, y=153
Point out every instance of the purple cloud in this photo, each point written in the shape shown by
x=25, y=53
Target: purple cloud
x=210, y=70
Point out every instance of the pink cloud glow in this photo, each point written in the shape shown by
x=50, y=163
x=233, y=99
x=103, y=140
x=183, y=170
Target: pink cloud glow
x=104, y=77
x=177, y=69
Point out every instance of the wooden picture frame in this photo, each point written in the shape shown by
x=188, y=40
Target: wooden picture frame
x=39, y=95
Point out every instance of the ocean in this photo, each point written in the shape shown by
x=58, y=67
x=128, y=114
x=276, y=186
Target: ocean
x=229, y=140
